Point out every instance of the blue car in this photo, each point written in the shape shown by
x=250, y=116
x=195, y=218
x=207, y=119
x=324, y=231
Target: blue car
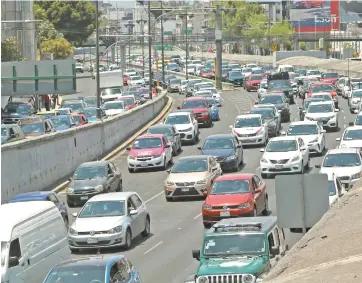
x=44, y=196
x=173, y=67
x=226, y=148
x=213, y=108
x=63, y=122
x=91, y=114
x=97, y=269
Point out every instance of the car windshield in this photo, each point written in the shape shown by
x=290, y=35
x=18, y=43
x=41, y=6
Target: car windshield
x=256, y=78
x=247, y=122
x=230, y=187
x=189, y=166
x=353, y=135
x=234, y=245
x=320, y=88
x=113, y=105
x=22, y=109
x=320, y=108
x=264, y=112
x=258, y=72
x=220, y=143
x=235, y=74
x=309, y=101
x=78, y=119
x=175, y=81
x=279, y=84
x=272, y=99
x=301, y=130
x=102, y=209
x=89, y=172
x=281, y=146
x=212, y=90
x=207, y=71
x=358, y=121
x=323, y=97
x=330, y=75
x=142, y=143
x=90, y=112
x=90, y=100
x=33, y=128
x=60, y=121
x=332, y=188
x=4, y=131
x=194, y=104
x=357, y=94
x=73, y=106
x=211, y=101
x=127, y=101
x=246, y=70
x=342, y=160
x=357, y=85
x=264, y=85
x=161, y=130
x=136, y=78
x=113, y=91
x=177, y=119
x=312, y=73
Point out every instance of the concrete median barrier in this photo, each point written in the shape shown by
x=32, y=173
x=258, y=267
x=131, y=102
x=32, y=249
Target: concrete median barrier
x=37, y=164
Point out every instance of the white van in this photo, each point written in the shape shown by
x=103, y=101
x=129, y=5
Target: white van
x=285, y=68
x=33, y=240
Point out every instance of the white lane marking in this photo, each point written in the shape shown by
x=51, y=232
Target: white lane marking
x=155, y=196
x=344, y=117
x=197, y=216
x=152, y=248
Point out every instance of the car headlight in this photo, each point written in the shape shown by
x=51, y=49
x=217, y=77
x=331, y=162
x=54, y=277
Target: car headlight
x=296, y=158
x=356, y=176
x=202, y=182
x=99, y=188
x=315, y=140
x=72, y=232
x=206, y=206
x=204, y=113
x=232, y=157
x=342, y=146
x=131, y=157
x=70, y=191
x=203, y=279
x=188, y=129
x=157, y=155
x=244, y=205
x=115, y=230
x=248, y=278
x=333, y=117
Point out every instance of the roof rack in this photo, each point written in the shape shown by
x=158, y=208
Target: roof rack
x=235, y=225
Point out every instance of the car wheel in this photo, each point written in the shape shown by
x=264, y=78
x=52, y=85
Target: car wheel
x=164, y=166
x=70, y=204
x=265, y=212
x=130, y=170
x=264, y=176
x=147, y=230
x=170, y=161
x=302, y=169
x=128, y=239
x=168, y=199
x=207, y=225
x=73, y=250
x=255, y=212
x=66, y=222
x=120, y=186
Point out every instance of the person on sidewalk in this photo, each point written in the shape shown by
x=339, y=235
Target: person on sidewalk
x=47, y=102
x=55, y=100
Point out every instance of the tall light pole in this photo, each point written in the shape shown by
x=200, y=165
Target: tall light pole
x=130, y=26
x=150, y=50
x=163, y=48
x=187, y=46
x=142, y=23
x=218, y=41
x=97, y=65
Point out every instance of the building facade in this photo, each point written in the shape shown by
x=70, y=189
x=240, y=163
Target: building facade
x=16, y=13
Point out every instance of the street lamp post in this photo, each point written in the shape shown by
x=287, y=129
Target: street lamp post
x=150, y=50
x=97, y=64
x=130, y=26
x=163, y=48
x=142, y=22
x=187, y=46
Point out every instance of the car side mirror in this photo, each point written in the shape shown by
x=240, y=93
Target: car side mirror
x=323, y=131
x=196, y=254
x=231, y=126
x=256, y=102
x=13, y=261
x=111, y=175
x=318, y=166
x=74, y=214
x=13, y=136
x=304, y=148
x=167, y=146
x=283, y=133
x=178, y=107
x=238, y=146
x=213, y=169
x=274, y=251
x=176, y=134
x=304, y=111
x=355, y=111
x=258, y=190
x=168, y=171
x=300, y=108
x=351, y=124
x=210, y=105
x=336, y=110
x=128, y=148
x=199, y=148
x=133, y=212
x=338, y=139
x=262, y=149
x=70, y=179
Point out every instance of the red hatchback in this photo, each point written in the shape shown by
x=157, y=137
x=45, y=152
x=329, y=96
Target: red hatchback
x=80, y=119
x=125, y=79
x=200, y=109
x=235, y=195
x=253, y=82
x=207, y=73
x=324, y=88
x=331, y=78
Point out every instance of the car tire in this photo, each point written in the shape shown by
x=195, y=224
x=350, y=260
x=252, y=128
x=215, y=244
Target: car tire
x=146, y=232
x=265, y=212
x=66, y=222
x=128, y=239
x=255, y=212
x=264, y=176
x=164, y=166
x=169, y=199
x=170, y=162
x=120, y=186
x=207, y=225
x=302, y=169
x=70, y=204
x=194, y=140
x=130, y=170
x=73, y=250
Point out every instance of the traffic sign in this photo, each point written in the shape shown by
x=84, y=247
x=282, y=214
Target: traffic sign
x=217, y=3
x=167, y=33
x=187, y=31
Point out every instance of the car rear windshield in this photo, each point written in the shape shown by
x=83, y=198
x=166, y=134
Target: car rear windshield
x=194, y=104
x=230, y=187
x=256, y=78
x=142, y=143
x=331, y=75
x=319, y=88
x=342, y=160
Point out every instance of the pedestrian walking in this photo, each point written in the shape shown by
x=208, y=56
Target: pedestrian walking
x=47, y=102
x=55, y=100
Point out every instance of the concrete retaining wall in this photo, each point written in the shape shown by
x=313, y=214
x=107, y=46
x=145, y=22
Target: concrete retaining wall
x=36, y=164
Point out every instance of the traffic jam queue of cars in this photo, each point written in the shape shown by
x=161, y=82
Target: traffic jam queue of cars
x=243, y=240
x=20, y=120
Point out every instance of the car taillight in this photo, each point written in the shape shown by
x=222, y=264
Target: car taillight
x=333, y=93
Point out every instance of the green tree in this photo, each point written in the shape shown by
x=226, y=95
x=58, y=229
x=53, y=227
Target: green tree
x=74, y=19
x=302, y=46
x=9, y=50
x=60, y=48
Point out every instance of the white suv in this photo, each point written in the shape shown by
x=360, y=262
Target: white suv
x=186, y=124
x=351, y=138
x=323, y=112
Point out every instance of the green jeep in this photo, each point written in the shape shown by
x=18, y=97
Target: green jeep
x=239, y=250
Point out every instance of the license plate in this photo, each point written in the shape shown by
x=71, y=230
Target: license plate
x=144, y=164
x=83, y=198
x=185, y=189
x=92, y=241
x=225, y=213
x=279, y=166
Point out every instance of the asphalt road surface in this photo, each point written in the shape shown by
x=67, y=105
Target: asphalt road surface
x=176, y=227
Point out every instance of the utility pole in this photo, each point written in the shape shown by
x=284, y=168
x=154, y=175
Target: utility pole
x=97, y=65
x=163, y=48
x=150, y=49
x=218, y=39
x=142, y=23
x=130, y=26
x=118, y=56
x=187, y=46
x=269, y=36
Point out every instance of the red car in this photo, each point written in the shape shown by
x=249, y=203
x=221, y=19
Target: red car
x=253, y=82
x=330, y=78
x=292, y=76
x=80, y=119
x=200, y=108
x=309, y=4
x=129, y=101
x=125, y=79
x=235, y=195
x=325, y=88
x=207, y=73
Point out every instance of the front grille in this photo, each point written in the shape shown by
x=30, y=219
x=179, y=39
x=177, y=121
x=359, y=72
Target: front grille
x=144, y=158
x=280, y=170
x=190, y=192
x=224, y=278
x=85, y=192
x=85, y=244
x=344, y=178
x=182, y=135
x=225, y=207
x=281, y=161
x=220, y=159
x=246, y=135
x=185, y=184
x=198, y=115
x=10, y=120
x=183, y=130
x=95, y=233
